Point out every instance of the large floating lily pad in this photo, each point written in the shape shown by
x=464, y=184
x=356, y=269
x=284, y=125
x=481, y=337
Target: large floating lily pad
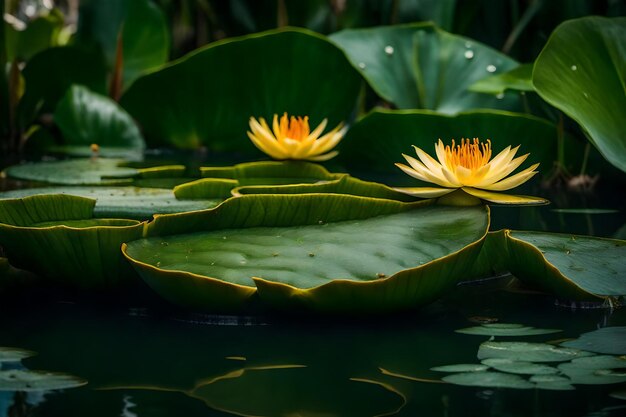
x=57, y=237
x=576, y=267
x=582, y=374
x=608, y=340
x=270, y=173
x=319, y=252
x=125, y=202
x=76, y=172
x=292, y=390
x=379, y=139
x=581, y=72
x=9, y=354
x=421, y=66
x=205, y=107
x=528, y=352
x=489, y=379
x=502, y=329
x=344, y=185
x=27, y=380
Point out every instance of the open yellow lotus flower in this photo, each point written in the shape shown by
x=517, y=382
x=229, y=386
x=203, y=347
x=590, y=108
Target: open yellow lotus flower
x=293, y=139
x=467, y=174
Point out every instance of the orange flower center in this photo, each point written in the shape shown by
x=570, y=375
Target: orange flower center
x=297, y=128
x=470, y=154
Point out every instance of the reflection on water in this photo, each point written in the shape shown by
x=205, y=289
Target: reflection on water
x=147, y=362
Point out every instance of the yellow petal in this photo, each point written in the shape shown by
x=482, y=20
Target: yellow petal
x=270, y=148
x=329, y=140
x=424, y=192
x=505, y=170
x=433, y=166
x=324, y=157
x=436, y=176
x=512, y=182
x=319, y=129
x=450, y=177
x=440, y=149
x=500, y=198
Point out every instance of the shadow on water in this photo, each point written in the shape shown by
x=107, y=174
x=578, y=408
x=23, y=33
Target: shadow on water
x=150, y=362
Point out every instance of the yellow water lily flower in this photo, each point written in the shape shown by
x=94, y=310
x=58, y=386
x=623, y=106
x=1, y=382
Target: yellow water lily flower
x=293, y=139
x=466, y=174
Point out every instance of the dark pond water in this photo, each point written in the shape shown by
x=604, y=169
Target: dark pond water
x=142, y=359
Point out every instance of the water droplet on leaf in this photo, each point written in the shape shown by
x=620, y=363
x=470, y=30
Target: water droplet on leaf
x=469, y=54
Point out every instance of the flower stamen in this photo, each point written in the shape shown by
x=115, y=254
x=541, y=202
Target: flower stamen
x=297, y=128
x=469, y=154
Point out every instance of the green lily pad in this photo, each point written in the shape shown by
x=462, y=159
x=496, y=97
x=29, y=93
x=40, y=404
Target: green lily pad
x=344, y=185
x=205, y=108
x=505, y=329
x=27, y=380
x=608, y=340
x=489, y=380
x=321, y=252
x=125, y=202
x=363, y=149
x=589, y=376
x=601, y=362
x=421, y=66
x=270, y=173
x=292, y=390
x=518, y=79
x=56, y=236
x=519, y=367
x=549, y=378
x=580, y=71
x=85, y=117
x=577, y=267
x=96, y=171
x=461, y=367
x=9, y=354
x=528, y=352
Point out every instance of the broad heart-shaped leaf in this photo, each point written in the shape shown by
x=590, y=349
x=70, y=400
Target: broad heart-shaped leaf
x=379, y=139
x=51, y=72
x=206, y=108
x=310, y=252
x=608, y=340
x=343, y=185
x=421, y=66
x=577, y=267
x=84, y=254
x=126, y=202
x=518, y=79
x=145, y=38
x=27, y=380
x=297, y=390
x=85, y=117
x=581, y=71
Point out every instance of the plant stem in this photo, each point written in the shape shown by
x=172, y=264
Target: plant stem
x=529, y=13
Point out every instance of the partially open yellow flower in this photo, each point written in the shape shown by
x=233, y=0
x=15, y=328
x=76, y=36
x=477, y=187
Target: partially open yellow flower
x=293, y=139
x=466, y=173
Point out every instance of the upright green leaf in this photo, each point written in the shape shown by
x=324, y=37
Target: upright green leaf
x=51, y=72
x=85, y=117
x=582, y=72
x=145, y=39
x=421, y=66
x=219, y=87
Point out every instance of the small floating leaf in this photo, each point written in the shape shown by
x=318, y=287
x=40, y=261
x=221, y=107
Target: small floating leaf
x=505, y=329
x=583, y=375
x=27, y=380
x=461, y=367
x=608, y=340
x=528, y=352
x=519, y=367
x=489, y=379
x=9, y=354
